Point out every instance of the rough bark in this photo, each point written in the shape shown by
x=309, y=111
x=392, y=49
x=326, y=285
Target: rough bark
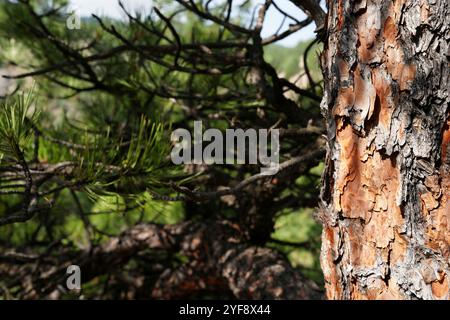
x=386, y=189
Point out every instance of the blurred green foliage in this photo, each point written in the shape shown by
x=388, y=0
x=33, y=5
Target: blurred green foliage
x=109, y=212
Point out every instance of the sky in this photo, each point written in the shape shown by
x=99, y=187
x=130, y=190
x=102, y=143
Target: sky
x=273, y=19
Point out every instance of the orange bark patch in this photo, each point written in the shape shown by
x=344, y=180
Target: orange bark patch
x=390, y=32
x=395, y=61
x=429, y=202
x=343, y=69
x=340, y=15
x=367, y=187
x=345, y=99
x=424, y=11
x=332, y=279
x=445, y=140
x=368, y=31
x=398, y=248
x=407, y=76
x=384, y=94
x=392, y=293
x=436, y=211
x=361, y=253
x=440, y=287
x=364, y=95
x=351, y=198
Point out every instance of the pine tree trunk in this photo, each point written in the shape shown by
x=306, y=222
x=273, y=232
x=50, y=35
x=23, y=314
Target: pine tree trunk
x=386, y=189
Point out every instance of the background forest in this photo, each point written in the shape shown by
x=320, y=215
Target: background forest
x=85, y=173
